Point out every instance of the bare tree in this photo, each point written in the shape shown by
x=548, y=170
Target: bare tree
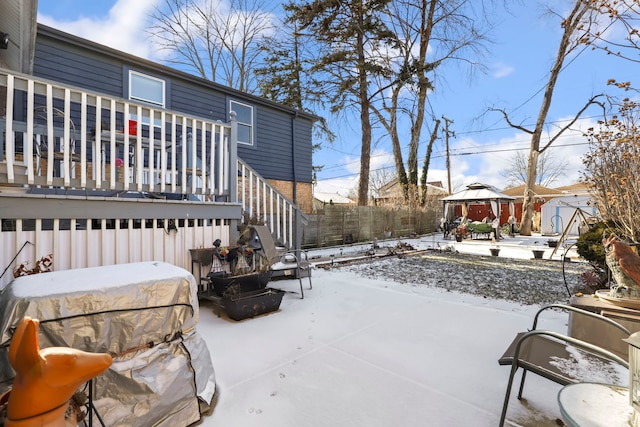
x=550, y=169
x=579, y=20
x=218, y=41
x=378, y=179
x=430, y=33
x=612, y=168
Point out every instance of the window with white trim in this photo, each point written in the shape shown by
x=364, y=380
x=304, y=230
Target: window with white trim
x=244, y=114
x=145, y=88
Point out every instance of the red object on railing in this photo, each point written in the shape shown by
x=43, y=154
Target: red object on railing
x=133, y=128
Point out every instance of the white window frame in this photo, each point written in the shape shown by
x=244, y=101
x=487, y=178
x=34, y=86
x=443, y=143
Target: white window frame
x=251, y=126
x=147, y=101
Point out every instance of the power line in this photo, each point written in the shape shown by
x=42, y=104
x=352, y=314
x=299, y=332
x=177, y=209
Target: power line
x=457, y=151
x=470, y=153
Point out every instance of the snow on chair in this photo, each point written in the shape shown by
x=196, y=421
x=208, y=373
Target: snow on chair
x=552, y=355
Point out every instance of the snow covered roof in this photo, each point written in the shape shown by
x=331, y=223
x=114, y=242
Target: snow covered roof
x=393, y=185
x=334, y=198
x=538, y=190
x=477, y=192
x=577, y=188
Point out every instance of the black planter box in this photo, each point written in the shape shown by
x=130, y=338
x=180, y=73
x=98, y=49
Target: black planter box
x=239, y=284
x=252, y=303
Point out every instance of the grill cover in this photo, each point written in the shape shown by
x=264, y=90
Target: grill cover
x=145, y=314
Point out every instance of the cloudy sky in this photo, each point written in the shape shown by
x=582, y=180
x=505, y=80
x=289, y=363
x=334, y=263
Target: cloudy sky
x=524, y=46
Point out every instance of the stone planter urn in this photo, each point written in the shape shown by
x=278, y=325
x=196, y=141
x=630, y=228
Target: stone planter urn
x=494, y=251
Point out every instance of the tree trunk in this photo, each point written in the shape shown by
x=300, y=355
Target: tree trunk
x=427, y=160
x=392, y=128
x=365, y=121
x=526, y=221
x=365, y=153
x=570, y=25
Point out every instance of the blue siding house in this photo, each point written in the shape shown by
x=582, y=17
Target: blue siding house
x=108, y=158
x=273, y=139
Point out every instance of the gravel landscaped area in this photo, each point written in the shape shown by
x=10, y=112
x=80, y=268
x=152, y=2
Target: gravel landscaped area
x=524, y=281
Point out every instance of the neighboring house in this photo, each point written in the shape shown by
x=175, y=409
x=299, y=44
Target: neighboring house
x=541, y=196
x=390, y=194
x=107, y=158
x=320, y=200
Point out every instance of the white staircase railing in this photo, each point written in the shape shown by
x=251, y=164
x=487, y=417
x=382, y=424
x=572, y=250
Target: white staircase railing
x=263, y=203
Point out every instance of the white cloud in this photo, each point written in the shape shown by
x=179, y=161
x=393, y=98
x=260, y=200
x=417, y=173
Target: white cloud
x=342, y=186
x=500, y=70
x=380, y=158
x=122, y=29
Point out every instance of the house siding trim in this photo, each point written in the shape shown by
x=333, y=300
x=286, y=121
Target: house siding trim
x=61, y=207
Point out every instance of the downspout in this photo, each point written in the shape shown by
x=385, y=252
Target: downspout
x=293, y=158
x=297, y=228
x=234, y=233
x=29, y=24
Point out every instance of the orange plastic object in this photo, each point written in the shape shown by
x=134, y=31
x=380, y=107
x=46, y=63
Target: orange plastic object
x=46, y=379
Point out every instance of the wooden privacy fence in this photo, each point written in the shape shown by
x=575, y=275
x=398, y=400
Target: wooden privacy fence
x=337, y=225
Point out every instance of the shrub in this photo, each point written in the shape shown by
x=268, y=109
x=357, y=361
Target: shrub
x=589, y=245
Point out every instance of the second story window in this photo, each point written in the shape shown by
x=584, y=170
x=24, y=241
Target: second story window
x=146, y=88
x=245, y=121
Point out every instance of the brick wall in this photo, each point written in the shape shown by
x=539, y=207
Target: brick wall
x=304, y=192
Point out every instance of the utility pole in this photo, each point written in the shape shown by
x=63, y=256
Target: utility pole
x=448, y=133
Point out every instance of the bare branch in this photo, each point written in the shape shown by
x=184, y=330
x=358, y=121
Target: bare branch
x=591, y=101
x=510, y=123
x=220, y=44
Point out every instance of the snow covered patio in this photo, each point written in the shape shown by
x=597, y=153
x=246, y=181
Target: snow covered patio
x=365, y=352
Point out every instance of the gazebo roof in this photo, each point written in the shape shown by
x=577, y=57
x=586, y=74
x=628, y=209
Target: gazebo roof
x=477, y=192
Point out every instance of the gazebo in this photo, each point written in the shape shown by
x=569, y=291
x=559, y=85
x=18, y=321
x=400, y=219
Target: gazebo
x=478, y=193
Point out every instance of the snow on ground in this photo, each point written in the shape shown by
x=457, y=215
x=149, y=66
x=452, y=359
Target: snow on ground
x=365, y=351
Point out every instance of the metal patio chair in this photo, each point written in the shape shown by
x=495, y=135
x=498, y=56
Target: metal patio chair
x=545, y=353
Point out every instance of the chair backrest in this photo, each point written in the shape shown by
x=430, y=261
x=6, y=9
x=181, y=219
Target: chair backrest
x=267, y=243
x=594, y=328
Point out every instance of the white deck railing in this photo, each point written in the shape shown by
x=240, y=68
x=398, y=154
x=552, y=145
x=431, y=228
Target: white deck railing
x=55, y=135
